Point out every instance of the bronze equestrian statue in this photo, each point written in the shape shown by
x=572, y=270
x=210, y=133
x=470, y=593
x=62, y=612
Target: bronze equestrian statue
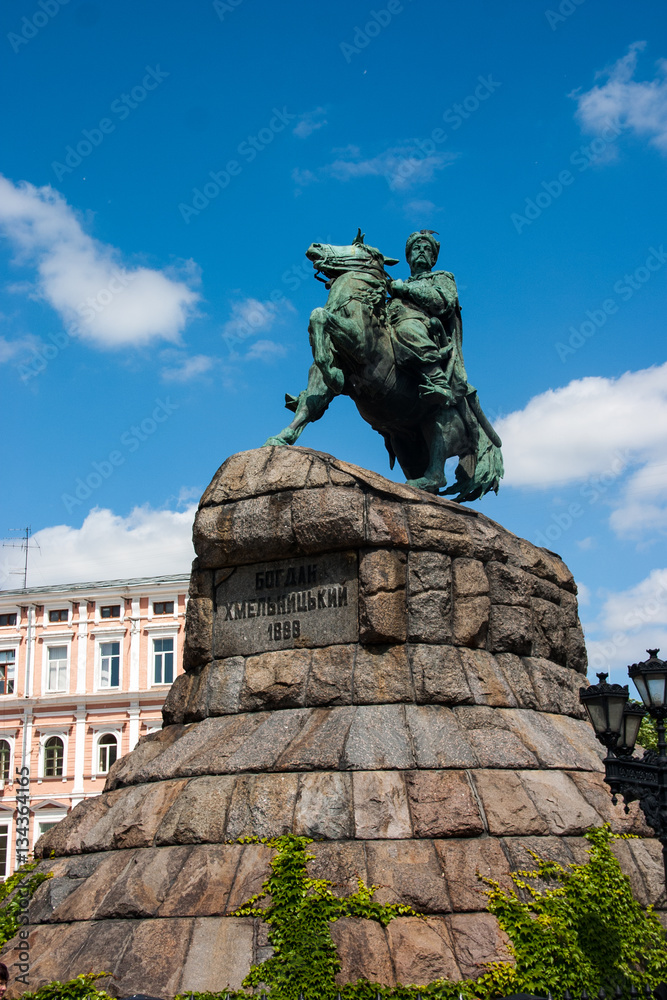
x=395, y=347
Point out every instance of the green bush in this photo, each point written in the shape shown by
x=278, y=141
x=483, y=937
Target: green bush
x=80, y=988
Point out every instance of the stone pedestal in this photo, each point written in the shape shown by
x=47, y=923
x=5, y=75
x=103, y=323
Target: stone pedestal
x=385, y=671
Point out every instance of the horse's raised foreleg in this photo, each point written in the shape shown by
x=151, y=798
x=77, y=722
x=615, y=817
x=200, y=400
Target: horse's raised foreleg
x=320, y=341
x=309, y=406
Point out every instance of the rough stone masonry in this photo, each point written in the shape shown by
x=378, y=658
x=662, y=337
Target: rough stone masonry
x=388, y=672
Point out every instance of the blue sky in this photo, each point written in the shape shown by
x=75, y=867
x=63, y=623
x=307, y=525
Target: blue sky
x=164, y=167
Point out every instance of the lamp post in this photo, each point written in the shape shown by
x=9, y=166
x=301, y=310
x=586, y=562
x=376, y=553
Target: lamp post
x=616, y=722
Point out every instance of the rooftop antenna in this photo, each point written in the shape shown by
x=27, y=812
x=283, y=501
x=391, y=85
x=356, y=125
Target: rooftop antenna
x=24, y=545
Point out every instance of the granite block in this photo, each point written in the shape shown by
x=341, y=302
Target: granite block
x=380, y=805
x=442, y=804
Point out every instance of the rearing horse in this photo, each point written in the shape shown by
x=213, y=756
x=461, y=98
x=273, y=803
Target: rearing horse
x=353, y=350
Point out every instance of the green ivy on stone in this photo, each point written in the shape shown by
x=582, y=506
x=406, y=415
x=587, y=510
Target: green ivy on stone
x=299, y=913
x=12, y=902
x=571, y=927
x=584, y=930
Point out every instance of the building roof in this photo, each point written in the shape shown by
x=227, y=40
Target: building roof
x=123, y=584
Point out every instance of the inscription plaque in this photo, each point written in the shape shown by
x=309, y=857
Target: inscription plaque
x=288, y=604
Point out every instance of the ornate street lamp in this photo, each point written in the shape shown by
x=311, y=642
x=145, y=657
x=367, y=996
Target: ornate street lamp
x=604, y=704
x=616, y=722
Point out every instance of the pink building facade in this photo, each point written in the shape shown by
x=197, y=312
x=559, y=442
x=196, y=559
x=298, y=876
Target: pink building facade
x=84, y=671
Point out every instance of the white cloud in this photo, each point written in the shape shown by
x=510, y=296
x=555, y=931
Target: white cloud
x=421, y=207
x=251, y=317
x=304, y=177
x=265, y=350
x=185, y=497
x=85, y=280
x=401, y=166
x=349, y=150
x=107, y=546
x=309, y=122
x=564, y=435
x=640, y=106
x=644, y=507
x=184, y=369
x=630, y=622
x=11, y=350
x=596, y=430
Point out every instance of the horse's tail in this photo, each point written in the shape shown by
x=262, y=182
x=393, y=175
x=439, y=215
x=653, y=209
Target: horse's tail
x=480, y=471
x=473, y=402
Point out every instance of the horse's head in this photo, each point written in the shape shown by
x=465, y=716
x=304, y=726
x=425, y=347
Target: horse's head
x=333, y=261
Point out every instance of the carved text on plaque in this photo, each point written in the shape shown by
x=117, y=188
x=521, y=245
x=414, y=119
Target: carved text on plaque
x=292, y=603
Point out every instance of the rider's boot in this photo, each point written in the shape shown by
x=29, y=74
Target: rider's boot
x=434, y=384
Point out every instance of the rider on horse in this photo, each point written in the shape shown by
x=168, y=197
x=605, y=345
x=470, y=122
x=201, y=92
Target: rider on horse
x=425, y=314
x=401, y=362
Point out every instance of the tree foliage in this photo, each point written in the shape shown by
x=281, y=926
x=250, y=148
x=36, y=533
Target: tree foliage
x=648, y=734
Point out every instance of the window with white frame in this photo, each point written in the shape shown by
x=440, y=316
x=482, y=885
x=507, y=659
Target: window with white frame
x=54, y=757
x=56, y=668
x=8, y=619
x=45, y=820
x=4, y=850
x=7, y=670
x=107, y=752
x=163, y=661
x=5, y=760
x=110, y=611
x=109, y=670
x=58, y=615
x=163, y=607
